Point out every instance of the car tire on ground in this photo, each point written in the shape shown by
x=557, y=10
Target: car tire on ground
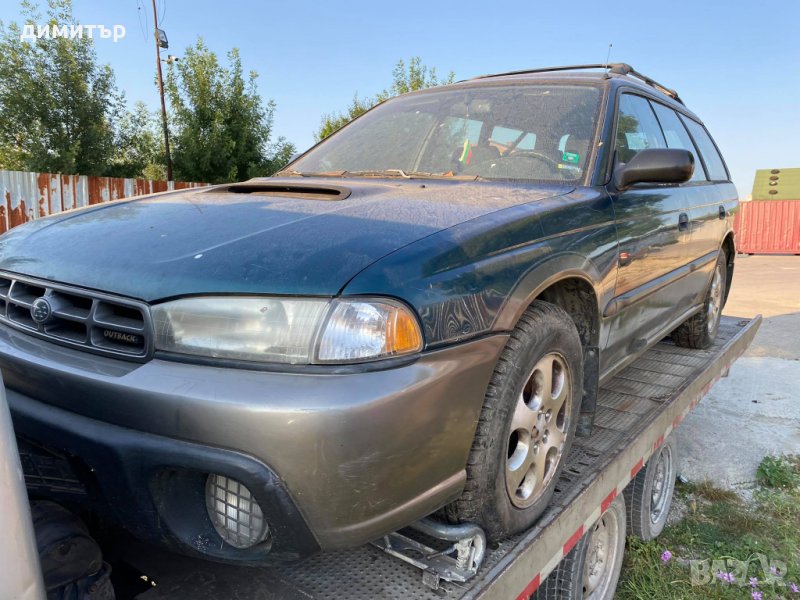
x=649, y=495
x=699, y=331
x=526, y=426
x=591, y=569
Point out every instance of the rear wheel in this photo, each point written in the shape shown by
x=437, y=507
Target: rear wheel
x=591, y=569
x=700, y=330
x=649, y=495
x=526, y=425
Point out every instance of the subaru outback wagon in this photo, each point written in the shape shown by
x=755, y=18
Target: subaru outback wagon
x=413, y=317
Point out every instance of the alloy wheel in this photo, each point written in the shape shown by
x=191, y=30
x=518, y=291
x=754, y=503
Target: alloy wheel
x=539, y=429
x=715, y=298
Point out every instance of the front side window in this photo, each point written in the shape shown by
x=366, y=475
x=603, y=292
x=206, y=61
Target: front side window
x=677, y=137
x=637, y=127
x=486, y=131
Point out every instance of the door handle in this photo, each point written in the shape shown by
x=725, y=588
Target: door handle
x=683, y=222
x=722, y=213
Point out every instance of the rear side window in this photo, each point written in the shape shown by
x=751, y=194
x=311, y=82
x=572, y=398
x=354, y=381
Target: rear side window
x=637, y=127
x=678, y=137
x=714, y=164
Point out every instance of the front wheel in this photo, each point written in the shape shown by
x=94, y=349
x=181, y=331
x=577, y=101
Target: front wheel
x=526, y=425
x=699, y=331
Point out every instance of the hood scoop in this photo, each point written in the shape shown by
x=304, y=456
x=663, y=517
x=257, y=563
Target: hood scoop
x=304, y=191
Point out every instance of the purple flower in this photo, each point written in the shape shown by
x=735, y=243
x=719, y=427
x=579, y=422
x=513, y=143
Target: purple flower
x=726, y=577
x=666, y=556
x=756, y=595
x=754, y=582
x=794, y=588
x=774, y=570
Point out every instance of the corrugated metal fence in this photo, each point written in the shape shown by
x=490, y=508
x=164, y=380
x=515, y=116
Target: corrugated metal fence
x=27, y=196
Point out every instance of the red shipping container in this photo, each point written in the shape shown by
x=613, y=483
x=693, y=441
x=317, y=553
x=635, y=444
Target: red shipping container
x=768, y=227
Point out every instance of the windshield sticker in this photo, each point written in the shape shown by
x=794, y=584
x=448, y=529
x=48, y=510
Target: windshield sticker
x=466, y=154
x=637, y=140
x=571, y=157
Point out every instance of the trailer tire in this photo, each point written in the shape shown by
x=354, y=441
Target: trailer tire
x=526, y=425
x=649, y=495
x=571, y=580
x=700, y=330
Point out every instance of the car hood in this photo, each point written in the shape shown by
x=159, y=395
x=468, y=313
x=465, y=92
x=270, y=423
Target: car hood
x=287, y=238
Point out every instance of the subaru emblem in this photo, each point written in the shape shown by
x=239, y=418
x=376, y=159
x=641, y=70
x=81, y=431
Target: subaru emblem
x=41, y=310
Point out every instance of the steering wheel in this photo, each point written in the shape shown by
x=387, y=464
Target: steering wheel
x=552, y=164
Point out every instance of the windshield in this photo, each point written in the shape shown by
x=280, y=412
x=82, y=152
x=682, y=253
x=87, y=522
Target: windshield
x=522, y=132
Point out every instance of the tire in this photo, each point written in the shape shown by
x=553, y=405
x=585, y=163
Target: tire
x=699, y=331
x=591, y=569
x=649, y=495
x=524, y=432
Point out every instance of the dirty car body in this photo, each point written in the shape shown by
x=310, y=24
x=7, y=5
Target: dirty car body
x=335, y=451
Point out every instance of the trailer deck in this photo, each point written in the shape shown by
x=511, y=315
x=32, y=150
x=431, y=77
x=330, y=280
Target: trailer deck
x=637, y=409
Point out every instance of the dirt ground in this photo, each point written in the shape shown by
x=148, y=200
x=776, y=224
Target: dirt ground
x=756, y=410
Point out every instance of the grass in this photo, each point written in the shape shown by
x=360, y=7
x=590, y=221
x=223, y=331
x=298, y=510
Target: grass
x=779, y=472
x=721, y=534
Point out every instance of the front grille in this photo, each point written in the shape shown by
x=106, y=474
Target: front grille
x=91, y=321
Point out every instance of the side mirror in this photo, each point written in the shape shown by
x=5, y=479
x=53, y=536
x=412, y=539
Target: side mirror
x=655, y=165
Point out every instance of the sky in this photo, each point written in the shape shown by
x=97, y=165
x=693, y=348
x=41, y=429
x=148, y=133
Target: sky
x=736, y=63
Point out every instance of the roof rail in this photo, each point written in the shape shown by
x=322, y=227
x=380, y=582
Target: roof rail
x=616, y=68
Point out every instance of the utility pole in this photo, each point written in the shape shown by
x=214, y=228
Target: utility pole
x=161, y=92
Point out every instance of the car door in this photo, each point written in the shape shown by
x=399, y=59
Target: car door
x=710, y=210
x=653, y=230
x=707, y=201
x=699, y=195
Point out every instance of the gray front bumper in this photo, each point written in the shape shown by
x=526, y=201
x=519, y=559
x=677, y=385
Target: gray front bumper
x=360, y=454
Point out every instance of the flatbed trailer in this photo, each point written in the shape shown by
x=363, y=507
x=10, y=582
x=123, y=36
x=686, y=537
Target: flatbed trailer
x=637, y=409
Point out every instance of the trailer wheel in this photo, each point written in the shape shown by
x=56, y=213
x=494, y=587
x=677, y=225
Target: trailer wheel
x=649, y=495
x=699, y=331
x=526, y=426
x=591, y=569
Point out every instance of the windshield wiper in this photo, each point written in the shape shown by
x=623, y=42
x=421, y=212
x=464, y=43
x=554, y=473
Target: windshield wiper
x=293, y=173
x=450, y=176
x=411, y=174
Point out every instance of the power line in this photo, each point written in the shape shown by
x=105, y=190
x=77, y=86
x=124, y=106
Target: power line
x=141, y=13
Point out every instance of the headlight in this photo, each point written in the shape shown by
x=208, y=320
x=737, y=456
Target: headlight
x=287, y=330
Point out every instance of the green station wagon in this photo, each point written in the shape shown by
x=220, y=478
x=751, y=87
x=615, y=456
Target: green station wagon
x=412, y=318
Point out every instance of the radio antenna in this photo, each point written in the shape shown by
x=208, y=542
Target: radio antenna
x=608, y=57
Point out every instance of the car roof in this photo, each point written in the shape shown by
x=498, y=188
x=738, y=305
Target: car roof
x=613, y=75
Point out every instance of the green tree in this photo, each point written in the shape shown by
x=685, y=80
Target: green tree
x=222, y=128
x=139, y=145
x=57, y=104
x=415, y=77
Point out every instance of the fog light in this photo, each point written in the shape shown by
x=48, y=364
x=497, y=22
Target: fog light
x=236, y=515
